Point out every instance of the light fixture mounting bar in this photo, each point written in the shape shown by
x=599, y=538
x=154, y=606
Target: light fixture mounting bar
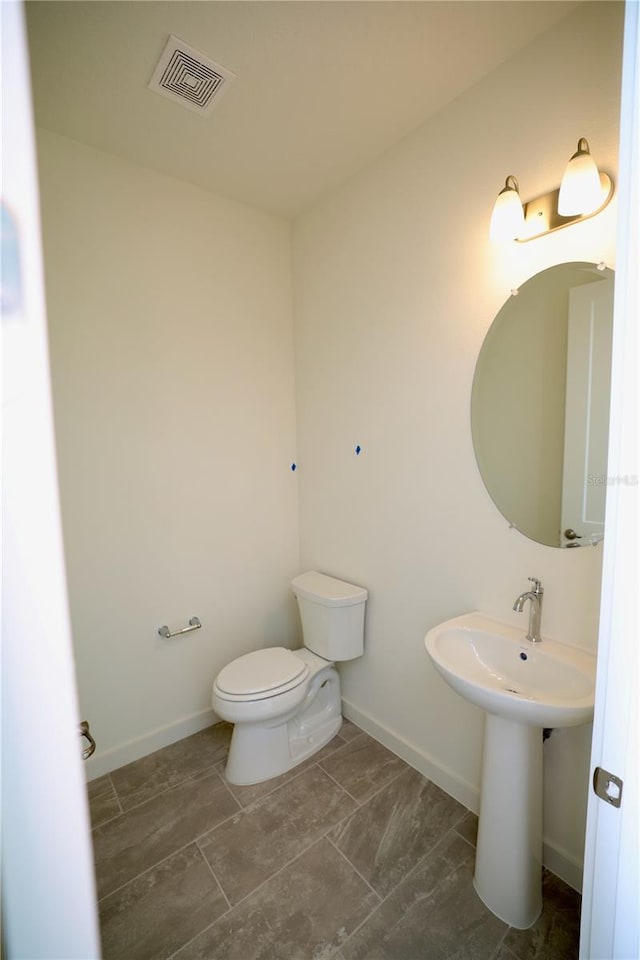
x=541, y=214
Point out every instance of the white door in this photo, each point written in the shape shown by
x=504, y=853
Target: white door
x=49, y=904
x=611, y=892
x=586, y=428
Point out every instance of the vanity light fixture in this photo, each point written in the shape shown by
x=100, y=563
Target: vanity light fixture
x=584, y=192
x=580, y=190
x=507, y=220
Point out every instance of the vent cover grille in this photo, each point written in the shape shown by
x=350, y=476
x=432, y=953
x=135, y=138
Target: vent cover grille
x=189, y=78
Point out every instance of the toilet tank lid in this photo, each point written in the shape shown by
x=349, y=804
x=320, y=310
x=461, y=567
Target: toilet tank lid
x=327, y=590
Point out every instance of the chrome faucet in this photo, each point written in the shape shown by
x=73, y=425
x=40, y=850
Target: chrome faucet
x=535, y=612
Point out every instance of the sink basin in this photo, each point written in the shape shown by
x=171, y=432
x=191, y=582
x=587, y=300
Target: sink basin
x=522, y=686
x=490, y=664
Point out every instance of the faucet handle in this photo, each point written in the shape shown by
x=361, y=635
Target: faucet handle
x=537, y=585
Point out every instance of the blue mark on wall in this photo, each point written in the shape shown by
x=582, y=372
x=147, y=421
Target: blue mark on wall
x=294, y=467
x=10, y=278
x=358, y=450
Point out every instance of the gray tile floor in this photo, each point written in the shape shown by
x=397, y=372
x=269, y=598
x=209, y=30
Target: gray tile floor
x=352, y=856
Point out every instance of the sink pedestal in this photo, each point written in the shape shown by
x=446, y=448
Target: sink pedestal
x=523, y=687
x=508, y=872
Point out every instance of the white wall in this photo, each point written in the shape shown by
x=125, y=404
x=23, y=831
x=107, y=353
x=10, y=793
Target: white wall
x=171, y=345
x=396, y=284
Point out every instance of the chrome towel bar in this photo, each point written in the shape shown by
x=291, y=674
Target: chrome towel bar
x=194, y=624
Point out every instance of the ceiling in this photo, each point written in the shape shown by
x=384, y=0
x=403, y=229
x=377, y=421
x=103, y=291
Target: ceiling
x=321, y=88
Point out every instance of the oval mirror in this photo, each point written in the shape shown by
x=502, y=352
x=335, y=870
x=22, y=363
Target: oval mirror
x=540, y=405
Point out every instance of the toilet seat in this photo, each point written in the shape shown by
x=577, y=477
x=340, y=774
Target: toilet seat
x=261, y=674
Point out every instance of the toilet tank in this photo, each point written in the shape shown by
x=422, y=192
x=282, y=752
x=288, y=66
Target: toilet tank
x=332, y=614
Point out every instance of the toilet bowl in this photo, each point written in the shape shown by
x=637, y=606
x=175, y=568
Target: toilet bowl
x=285, y=704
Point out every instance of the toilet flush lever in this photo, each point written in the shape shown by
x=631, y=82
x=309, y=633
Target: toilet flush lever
x=194, y=624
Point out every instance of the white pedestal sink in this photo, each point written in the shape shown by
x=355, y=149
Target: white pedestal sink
x=523, y=687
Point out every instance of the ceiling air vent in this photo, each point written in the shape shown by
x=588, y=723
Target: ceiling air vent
x=188, y=77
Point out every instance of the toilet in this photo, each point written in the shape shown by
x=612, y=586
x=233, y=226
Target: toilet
x=285, y=704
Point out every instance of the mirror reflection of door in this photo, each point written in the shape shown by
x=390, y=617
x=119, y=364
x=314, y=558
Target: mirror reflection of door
x=584, y=483
x=541, y=446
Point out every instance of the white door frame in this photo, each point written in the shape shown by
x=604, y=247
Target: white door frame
x=611, y=896
x=49, y=899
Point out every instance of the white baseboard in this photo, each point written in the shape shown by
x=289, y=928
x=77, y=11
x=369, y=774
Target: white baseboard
x=554, y=857
x=563, y=864
x=105, y=762
x=466, y=793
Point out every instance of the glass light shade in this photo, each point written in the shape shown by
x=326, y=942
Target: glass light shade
x=580, y=190
x=507, y=219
